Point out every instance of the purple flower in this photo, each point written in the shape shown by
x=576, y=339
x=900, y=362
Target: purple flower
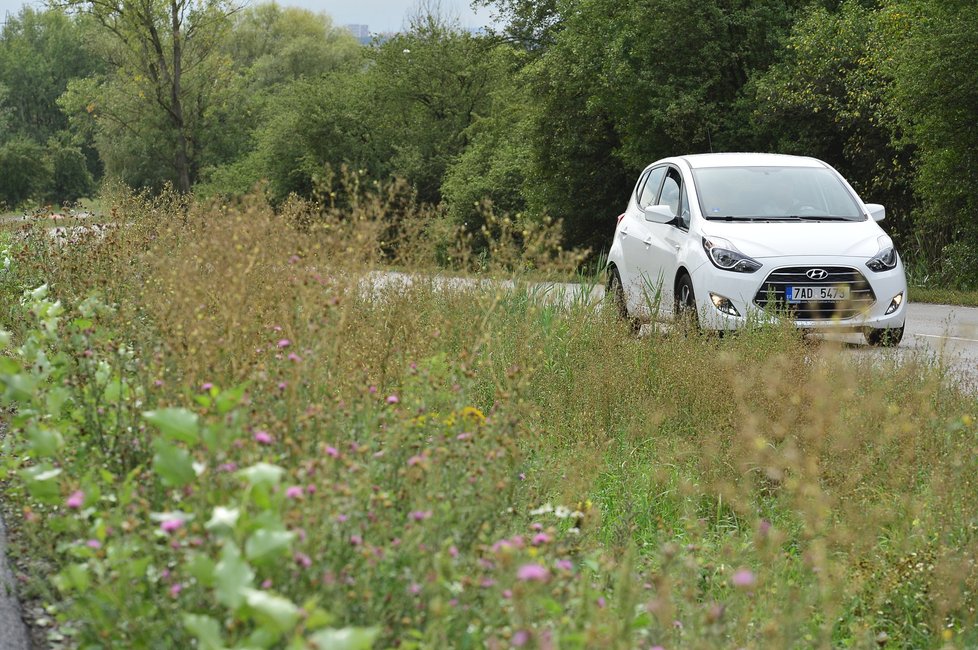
x=171, y=525
x=565, y=565
x=421, y=515
x=356, y=540
x=294, y=492
x=76, y=500
x=302, y=560
x=541, y=538
x=227, y=467
x=294, y=357
x=743, y=578
x=520, y=638
x=93, y=543
x=206, y=386
x=284, y=343
x=263, y=437
x=533, y=573
x=393, y=399
x=332, y=451
x=175, y=589
x=414, y=589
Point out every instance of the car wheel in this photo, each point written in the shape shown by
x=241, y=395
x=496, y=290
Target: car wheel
x=615, y=294
x=884, y=337
x=685, y=306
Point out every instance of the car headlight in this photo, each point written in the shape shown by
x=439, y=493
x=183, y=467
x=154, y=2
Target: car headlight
x=725, y=256
x=885, y=260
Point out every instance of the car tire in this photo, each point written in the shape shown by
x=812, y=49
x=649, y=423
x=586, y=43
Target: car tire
x=684, y=308
x=615, y=293
x=887, y=337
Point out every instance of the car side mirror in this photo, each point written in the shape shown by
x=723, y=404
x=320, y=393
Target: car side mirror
x=659, y=214
x=876, y=211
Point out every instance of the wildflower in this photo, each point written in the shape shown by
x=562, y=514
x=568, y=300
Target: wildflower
x=487, y=582
x=266, y=584
x=175, y=589
x=284, y=343
x=507, y=593
x=542, y=510
x=522, y=476
x=263, y=437
x=414, y=589
x=565, y=565
x=743, y=578
x=294, y=259
x=171, y=525
x=310, y=489
x=421, y=515
x=393, y=399
x=341, y=518
x=76, y=500
x=158, y=383
x=206, y=386
x=282, y=385
x=601, y=602
x=453, y=551
x=414, y=460
x=93, y=543
x=332, y=451
x=227, y=467
x=541, y=538
x=356, y=540
x=520, y=638
x=294, y=357
x=533, y=573
x=302, y=560
x=293, y=492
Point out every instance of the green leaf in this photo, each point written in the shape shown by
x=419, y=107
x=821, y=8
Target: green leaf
x=42, y=483
x=274, y=612
x=347, y=638
x=206, y=629
x=172, y=464
x=264, y=544
x=229, y=399
x=20, y=387
x=262, y=474
x=45, y=442
x=232, y=576
x=175, y=424
x=202, y=568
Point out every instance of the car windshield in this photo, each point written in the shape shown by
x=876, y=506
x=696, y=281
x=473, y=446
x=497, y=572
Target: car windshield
x=774, y=193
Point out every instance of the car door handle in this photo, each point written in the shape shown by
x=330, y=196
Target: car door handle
x=648, y=241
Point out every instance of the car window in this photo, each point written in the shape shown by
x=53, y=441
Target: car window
x=671, y=193
x=651, y=188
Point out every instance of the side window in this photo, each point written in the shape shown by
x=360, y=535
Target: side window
x=651, y=188
x=671, y=191
x=684, y=214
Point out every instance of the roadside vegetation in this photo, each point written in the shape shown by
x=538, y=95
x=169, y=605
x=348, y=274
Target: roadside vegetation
x=221, y=430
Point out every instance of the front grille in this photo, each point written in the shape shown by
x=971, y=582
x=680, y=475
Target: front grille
x=772, y=293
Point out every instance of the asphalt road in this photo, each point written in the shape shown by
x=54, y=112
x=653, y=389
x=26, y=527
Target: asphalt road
x=13, y=633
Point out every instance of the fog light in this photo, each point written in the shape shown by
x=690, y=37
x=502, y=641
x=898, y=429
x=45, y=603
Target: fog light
x=724, y=305
x=894, y=304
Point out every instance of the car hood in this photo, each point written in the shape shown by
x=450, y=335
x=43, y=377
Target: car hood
x=823, y=238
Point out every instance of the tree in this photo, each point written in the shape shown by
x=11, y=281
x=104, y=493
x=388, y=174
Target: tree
x=25, y=171
x=164, y=74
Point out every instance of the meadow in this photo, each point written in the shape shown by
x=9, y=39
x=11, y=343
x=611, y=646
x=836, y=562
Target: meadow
x=219, y=435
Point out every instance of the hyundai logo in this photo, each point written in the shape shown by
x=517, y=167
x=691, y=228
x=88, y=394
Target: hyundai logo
x=817, y=274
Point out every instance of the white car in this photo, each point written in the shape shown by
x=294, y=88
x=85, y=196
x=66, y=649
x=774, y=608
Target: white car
x=733, y=239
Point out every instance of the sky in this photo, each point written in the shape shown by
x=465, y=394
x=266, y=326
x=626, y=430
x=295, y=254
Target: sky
x=380, y=15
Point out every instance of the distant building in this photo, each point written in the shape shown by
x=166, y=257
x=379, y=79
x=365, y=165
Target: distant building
x=360, y=32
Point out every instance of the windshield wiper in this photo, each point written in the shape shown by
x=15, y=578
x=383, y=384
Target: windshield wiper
x=808, y=217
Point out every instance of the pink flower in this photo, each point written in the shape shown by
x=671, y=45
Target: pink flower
x=282, y=385
x=293, y=492
x=541, y=538
x=294, y=357
x=520, y=638
x=171, y=525
x=743, y=578
x=414, y=460
x=415, y=588
x=175, y=589
x=565, y=565
x=453, y=551
x=302, y=560
x=421, y=515
x=206, y=386
x=332, y=451
x=284, y=343
x=93, y=543
x=158, y=383
x=341, y=518
x=487, y=582
x=356, y=540
x=266, y=584
x=311, y=489
x=263, y=437
x=76, y=500
x=393, y=399
x=227, y=467
x=533, y=573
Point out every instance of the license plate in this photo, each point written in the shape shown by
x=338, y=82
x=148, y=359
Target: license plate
x=817, y=294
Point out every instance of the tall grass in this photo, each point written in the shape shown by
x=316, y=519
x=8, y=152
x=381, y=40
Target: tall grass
x=462, y=464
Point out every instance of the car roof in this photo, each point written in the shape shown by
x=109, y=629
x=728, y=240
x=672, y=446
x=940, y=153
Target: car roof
x=698, y=161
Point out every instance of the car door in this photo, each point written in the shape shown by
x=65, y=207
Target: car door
x=634, y=232
x=661, y=242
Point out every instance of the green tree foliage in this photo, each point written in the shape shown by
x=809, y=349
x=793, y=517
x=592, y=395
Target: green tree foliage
x=935, y=95
x=25, y=171
x=164, y=74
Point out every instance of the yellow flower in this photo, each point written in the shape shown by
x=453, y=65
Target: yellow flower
x=474, y=413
